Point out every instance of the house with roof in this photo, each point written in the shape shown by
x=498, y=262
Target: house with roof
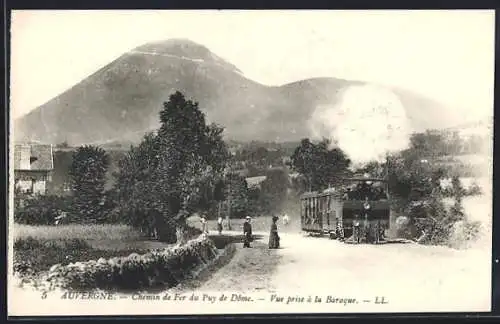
x=255, y=182
x=33, y=167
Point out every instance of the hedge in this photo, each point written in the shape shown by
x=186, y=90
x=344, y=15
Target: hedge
x=40, y=210
x=163, y=268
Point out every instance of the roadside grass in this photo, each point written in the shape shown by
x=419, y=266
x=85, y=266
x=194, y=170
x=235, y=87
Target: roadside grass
x=41, y=254
x=75, y=231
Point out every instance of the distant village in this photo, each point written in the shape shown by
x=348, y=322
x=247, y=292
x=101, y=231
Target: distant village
x=43, y=168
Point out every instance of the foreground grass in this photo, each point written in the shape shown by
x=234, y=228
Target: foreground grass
x=41, y=254
x=43, y=246
x=75, y=231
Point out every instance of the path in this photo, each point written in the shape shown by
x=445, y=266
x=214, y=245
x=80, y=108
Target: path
x=413, y=277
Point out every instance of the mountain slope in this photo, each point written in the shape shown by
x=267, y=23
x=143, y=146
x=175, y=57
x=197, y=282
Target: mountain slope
x=121, y=101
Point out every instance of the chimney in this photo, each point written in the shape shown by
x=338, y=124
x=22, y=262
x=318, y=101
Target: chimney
x=25, y=163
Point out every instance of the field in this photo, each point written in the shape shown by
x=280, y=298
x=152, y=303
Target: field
x=44, y=246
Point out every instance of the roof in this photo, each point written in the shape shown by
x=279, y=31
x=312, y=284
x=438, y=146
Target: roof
x=40, y=155
x=365, y=179
x=255, y=181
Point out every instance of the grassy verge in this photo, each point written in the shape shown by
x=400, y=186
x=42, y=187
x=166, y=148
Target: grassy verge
x=83, y=232
x=40, y=247
x=41, y=254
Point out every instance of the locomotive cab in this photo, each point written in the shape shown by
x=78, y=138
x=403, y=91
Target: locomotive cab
x=361, y=204
x=366, y=208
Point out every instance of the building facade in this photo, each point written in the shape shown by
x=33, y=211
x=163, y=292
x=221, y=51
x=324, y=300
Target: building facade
x=33, y=167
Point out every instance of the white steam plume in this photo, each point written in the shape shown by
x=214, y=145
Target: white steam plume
x=367, y=123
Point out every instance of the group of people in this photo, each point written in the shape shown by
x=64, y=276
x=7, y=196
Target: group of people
x=274, y=238
x=365, y=231
x=204, y=224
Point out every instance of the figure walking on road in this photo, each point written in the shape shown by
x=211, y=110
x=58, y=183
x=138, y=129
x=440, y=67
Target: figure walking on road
x=247, y=233
x=286, y=220
x=204, y=227
x=274, y=239
x=219, y=225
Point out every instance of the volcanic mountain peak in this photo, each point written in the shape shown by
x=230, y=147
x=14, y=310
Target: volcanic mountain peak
x=183, y=49
x=121, y=101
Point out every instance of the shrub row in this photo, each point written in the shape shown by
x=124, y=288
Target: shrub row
x=40, y=210
x=159, y=268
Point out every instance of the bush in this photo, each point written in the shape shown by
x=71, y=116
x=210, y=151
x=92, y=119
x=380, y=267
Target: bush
x=403, y=227
x=463, y=232
x=474, y=190
x=159, y=268
x=40, y=210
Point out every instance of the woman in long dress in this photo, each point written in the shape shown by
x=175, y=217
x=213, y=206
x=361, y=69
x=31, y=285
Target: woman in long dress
x=274, y=239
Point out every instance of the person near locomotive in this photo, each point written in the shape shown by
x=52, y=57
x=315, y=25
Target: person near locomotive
x=356, y=229
x=367, y=229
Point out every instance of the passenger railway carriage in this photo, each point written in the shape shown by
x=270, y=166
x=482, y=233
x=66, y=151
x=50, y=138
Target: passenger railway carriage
x=358, y=211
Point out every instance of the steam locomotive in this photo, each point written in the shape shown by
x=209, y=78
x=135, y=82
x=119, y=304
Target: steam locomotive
x=356, y=212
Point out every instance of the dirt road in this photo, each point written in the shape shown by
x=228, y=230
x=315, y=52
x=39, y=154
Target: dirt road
x=414, y=278
x=410, y=277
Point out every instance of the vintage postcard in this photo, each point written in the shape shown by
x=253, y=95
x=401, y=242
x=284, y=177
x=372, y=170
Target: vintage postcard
x=239, y=162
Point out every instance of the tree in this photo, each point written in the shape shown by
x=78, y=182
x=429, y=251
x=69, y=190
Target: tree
x=457, y=212
x=134, y=184
x=428, y=143
x=415, y=187
x=88, y=176
x=319, y=165
x=172, y=173
x=237, y=195
x=274, y=190
x=63, y=145
x=192, y=152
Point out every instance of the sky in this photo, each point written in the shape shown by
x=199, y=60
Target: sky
x=445, y=55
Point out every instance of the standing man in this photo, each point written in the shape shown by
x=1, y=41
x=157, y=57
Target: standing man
x=357, y=236
x=247, y=233
x=204, y=227
x=367, y=230
x=339, y=229
x=219, y=225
